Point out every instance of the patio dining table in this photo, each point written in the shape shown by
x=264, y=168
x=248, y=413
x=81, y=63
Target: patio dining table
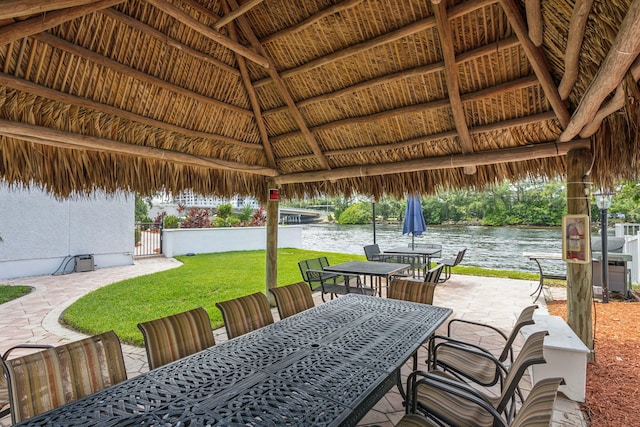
x=376, y=270
x=424, y=252
x=326, y=366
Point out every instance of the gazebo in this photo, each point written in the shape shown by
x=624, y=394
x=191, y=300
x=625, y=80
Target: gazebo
x=315, y=97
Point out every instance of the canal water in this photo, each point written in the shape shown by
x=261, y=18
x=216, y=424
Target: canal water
x=488, y=247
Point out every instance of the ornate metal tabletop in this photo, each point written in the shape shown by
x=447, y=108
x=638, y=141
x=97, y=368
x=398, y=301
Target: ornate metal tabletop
x=326, y=366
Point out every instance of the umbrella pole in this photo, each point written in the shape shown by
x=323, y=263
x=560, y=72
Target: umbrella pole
x=412, y=244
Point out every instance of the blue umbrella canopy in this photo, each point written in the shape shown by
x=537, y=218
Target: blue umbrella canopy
x=413, y=218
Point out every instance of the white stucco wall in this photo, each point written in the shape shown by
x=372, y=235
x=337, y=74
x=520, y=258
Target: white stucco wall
x=42, y=235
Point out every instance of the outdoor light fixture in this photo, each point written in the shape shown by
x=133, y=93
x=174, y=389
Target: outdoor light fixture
x=603, y=200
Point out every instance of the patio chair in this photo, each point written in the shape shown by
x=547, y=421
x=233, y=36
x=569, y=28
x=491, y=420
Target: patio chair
x=469, y=361
x=536, y=411
x=449, y=263
x=173, y=337
x=5, y=408
x=436, y=394
x=313, y=273
x=245, y=314
x=292, y=299
x=373, y=253
x=41, y=381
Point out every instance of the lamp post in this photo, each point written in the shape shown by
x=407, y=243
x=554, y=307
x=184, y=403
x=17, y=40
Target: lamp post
x=603, y=200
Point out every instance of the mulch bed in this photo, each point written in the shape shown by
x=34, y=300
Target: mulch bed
x=613, y=379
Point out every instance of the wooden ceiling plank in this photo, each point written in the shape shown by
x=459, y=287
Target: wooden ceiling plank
x=87, y=54
x=65, y=98
x=283, y=91
x=41, y=23
x=201, y=28
x=537, y=60
x=15, y=8
x=53, y=137
x=534, y=21
x=253, y=97
x=451, y=77
x=160, y=36
x=623, y=52
x=230, y=16
x=504, y=155
x=577, y=28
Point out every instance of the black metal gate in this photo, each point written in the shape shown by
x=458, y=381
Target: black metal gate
x=148, y=238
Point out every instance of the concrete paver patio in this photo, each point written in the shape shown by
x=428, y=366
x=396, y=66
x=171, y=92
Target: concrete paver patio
x=34, y=318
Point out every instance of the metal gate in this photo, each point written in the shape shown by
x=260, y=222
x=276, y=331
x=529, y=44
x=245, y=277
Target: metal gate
x=148, y=238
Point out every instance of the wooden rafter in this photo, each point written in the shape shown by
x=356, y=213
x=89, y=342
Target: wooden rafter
x=534, y=21
x=577, y=27
x=201, y=28
x=65, y=98
x=537, y=60
x=283, y=91
x=405, y=74
x=422, y=25
x=431, y=139
x=121, y=68
x=28, y=27
x=14, y=8
x=505, y=155
x=253, y=97
x=624, y=51
x=451, y=77
x=56, y=138
x=230, y=16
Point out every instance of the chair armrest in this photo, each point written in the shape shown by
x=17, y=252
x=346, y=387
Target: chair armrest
x=31, y=346
x=471, y=322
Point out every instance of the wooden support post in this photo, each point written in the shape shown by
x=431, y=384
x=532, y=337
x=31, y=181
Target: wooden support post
x=579, y=276
x=273, y=215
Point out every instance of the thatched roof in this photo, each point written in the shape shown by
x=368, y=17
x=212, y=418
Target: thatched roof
x=315, y=96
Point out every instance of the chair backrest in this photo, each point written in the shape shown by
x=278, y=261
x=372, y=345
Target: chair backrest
x=42, y=381
x=525, y=318
x=372, y=252
x=312, y=264
x=537, y=409
x=433, y=275
x=173, y=337
x=411, y=290
x=292, y=299
x=530, y=354
x=245, y=314
x=460, y=256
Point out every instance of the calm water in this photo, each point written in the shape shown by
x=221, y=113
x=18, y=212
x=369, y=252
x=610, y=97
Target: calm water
x=489, y=247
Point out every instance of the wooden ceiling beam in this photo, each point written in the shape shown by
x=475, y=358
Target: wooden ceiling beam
x=534, y=21
x=38, y=24
x=418, y=108
x=164, y=38
x=65, y=98
x=537, y=60
x=623, y=52
x=282, y=89
x=253, y=97
x=433, y=138
x=230, y=16
x=451, y=77
x=55, y=138
x=405, y=74
x=577, y=28
x=126, y=70
x=15, y=8
x=504, y=155
x=416, y=27
x=211, y=34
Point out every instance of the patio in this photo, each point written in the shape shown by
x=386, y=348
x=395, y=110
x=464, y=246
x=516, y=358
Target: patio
x=34, y=319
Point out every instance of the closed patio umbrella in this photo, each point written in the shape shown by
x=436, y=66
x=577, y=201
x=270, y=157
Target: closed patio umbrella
x=413, y=218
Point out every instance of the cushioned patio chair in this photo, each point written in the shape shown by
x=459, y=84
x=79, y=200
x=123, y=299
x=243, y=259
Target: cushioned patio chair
x=292, y=299
x=313, y=274
x=173, y=337
x=245, y=314
x=411, y=290
x=470, y=361
x=449, y=263
x=5, y=408
x=536, y=411
x=430, y=392
x=42, y=381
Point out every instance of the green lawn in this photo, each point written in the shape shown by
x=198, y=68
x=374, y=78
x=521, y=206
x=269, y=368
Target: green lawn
x=7, y=292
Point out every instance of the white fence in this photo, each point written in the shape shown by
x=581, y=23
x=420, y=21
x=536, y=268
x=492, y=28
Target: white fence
x=631, y=234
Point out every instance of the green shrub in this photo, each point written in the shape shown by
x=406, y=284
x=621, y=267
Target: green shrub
x=358, y=213
x=171, y=221
x=224, y=210
x=137, y=235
